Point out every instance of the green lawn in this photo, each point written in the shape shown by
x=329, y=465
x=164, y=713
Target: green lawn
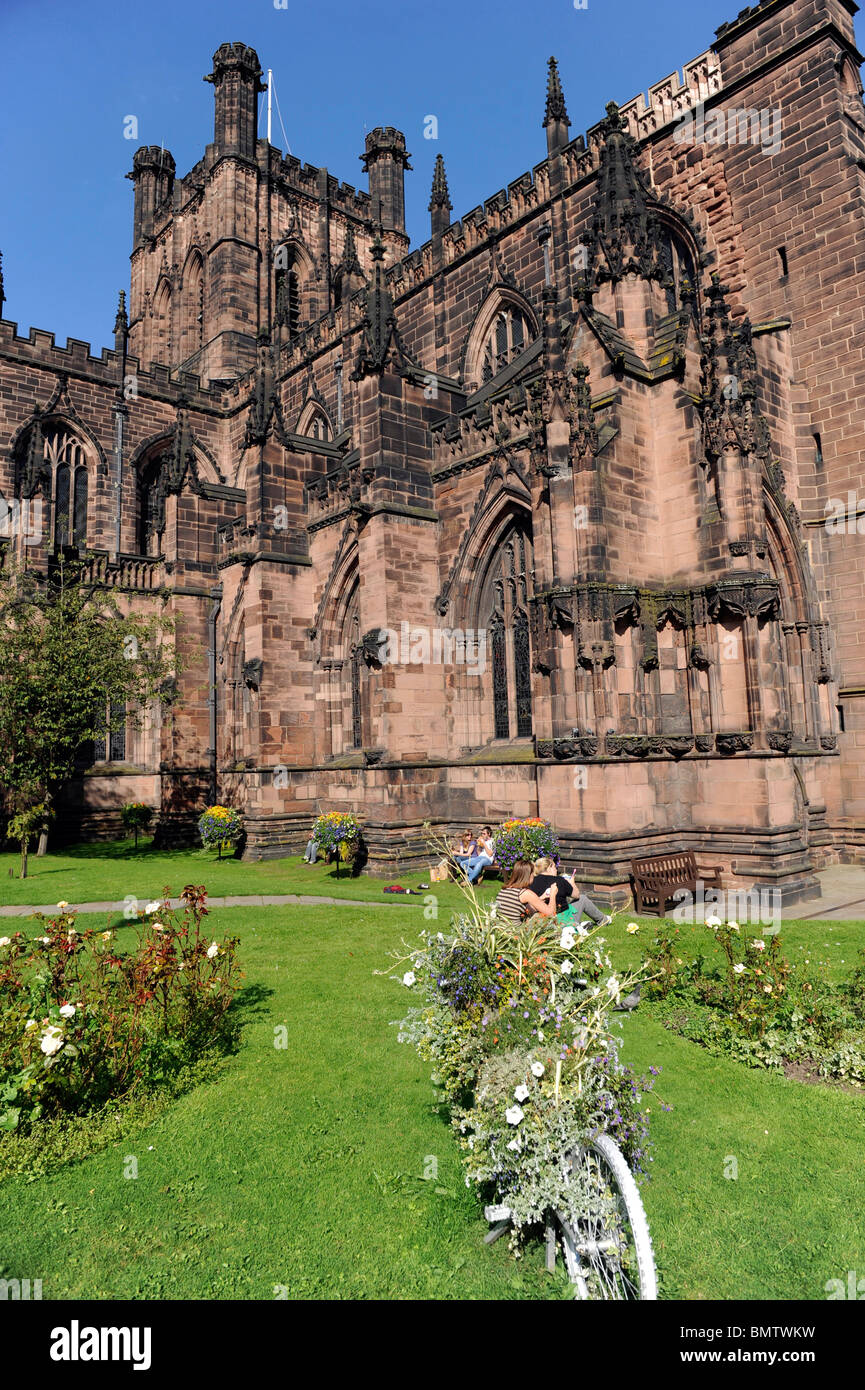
x=90, y=873
x=303, y=1168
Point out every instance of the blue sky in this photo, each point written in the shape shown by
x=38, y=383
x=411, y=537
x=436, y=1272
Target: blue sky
x=73, y=71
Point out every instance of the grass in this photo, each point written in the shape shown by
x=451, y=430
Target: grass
x=112, y=872
x=299, y=1171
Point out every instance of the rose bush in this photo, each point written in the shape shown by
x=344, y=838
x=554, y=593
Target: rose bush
x=83, y=1022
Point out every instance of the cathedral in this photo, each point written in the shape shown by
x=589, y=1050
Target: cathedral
x=530, y=520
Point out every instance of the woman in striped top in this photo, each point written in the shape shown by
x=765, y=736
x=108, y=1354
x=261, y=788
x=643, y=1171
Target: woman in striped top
x=516, y=900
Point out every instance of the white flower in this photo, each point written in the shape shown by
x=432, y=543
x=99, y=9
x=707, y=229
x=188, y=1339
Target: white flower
x=408, y=978
x=514, y=1115
x=514, y=1144
x=212, y=950
x=46, y=940
x=51, y=1040
x=767, y=989
x=158, y=926
x=568, y=938
x=67, y=1010
x=62, y=905
x=614, y=989
x=107, y=935
x=632, y=928
x=567, y=967
x=153, y=907
x=757, y=945
x=31, y=1023
x=713, y=921
x=734, y=926
x=540, y=1036
x=71, y=934
x=5, y=941
x=537, y=1069
x=737, y=969
x=521, y=1093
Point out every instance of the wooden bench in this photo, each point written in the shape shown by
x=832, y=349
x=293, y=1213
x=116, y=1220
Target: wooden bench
x=657, y=880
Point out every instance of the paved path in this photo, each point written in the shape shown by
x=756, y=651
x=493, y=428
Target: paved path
x=287, y=900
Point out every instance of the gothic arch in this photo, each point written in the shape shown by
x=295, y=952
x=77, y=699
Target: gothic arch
x=504, y=324
x=52, y=457
x=294, y=274
x=314, y=421
x=192, y=304
x=160, y=332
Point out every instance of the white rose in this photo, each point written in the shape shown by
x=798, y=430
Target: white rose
x=734, y=926
x=757, y=945
x=737, y=969
x=537, y=1069
x=514, y=1115
x=212, y=950
x=5, y=941
x=67, y=1010
x=408, y=978
x=153, y=907
x=51, y=1040
x=713, y=921
x=62, y=905
x=521, y=1093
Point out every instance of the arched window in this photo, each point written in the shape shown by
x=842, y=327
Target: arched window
x=192, y=330
x=353, y=668
x=151, y=506
x=313, y=422
x=678, y=266
x=289, y=276
x=504, y=615
x=66, y=466
x=508, y=335
x=161, y=340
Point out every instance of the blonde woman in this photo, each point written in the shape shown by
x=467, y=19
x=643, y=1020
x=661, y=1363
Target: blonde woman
x=518, y=900
x=546, y=875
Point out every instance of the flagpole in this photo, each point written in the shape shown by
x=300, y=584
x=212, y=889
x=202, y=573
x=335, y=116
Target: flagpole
x=269, y=107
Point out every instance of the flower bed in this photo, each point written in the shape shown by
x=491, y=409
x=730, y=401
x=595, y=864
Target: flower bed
x=524, y=839
x=744, y=999
x=516, y=1021
x=82, y=1022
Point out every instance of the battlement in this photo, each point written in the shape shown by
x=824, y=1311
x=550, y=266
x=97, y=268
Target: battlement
x=40, y=349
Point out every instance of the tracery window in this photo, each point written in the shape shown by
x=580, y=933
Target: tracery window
x=353, y=669
x=287, y=288
x=504, y=614
x=66, y=466
x=678, y=265
x=509, y=333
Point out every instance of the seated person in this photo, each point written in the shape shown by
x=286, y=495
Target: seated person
x=517, y=900
x=484, y=855
x=569, y=899
x=311, y=850
x=465, y=849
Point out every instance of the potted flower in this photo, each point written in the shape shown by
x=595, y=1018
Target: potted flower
x=220, y=825
x=525, y=839
x=338, y=833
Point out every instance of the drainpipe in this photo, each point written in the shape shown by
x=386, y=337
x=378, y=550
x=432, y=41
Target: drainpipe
x=216, y=596
x=121, y=343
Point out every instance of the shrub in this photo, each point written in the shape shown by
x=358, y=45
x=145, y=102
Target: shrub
x=136, y=816
x=220, y=825
x=82, y=1023
x=525, y=839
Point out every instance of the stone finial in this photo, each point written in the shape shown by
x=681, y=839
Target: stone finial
x=556, y=121
x=440, y=205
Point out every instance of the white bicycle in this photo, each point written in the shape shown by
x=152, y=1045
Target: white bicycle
x=608, y=1253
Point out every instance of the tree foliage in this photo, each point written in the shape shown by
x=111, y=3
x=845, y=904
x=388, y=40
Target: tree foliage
x=68, y=654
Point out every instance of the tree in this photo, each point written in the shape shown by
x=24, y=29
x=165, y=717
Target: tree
x=68, y=655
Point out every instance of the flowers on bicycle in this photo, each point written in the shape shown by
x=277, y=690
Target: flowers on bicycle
x=521, y=1093
x=568, y=939
x=538, y=1069
x=513, y=1115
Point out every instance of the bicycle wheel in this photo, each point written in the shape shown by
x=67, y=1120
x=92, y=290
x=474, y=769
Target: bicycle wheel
x=608, y=1253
